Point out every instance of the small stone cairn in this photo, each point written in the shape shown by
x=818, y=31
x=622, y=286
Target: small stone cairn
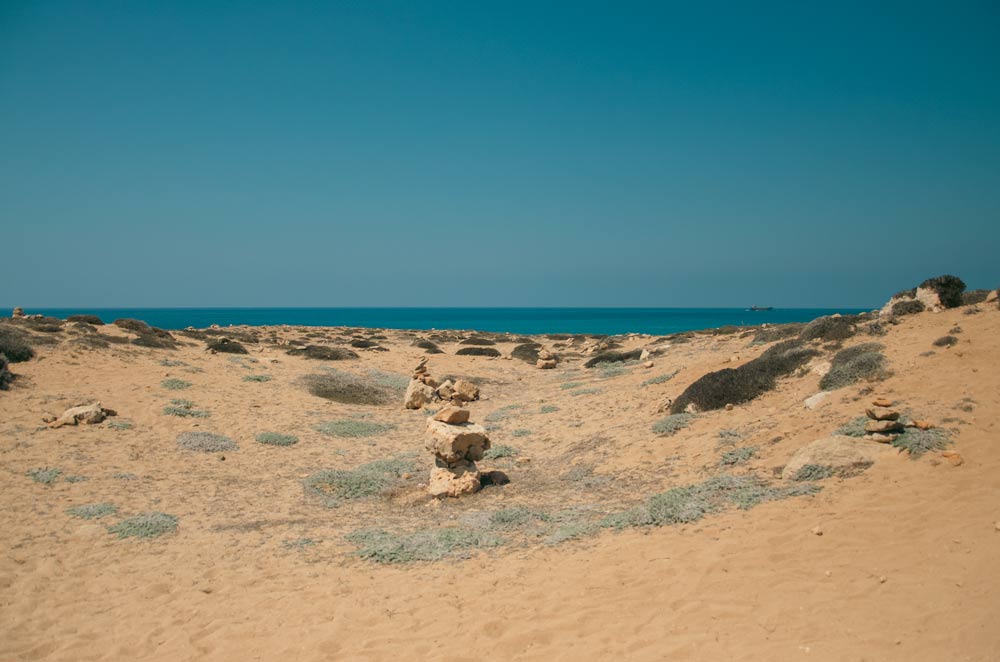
x=883, y=423
x=456, y=446
x=425, y=389
x=546, y=359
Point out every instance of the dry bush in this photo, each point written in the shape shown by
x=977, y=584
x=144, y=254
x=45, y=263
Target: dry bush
x=613, y=357
x=830, y=328
x=777, y=332
x=908, y=307
x=15, y=344
x=6, y=376
x=226, y=346
x=477, y=340
x=478, y=351
x=949, y=289
x=527, y=352
x=323, y=353
x=89, y=319
x=851, y=365
x=351, y=389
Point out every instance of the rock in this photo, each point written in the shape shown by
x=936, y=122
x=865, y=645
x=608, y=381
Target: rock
x=882, y=438
x=453, y=482
x=930, y=299
x=455, y=443
x=692, y=408
x=545, y=355
x=48, y=418
x=883, y=426
x=647, y=364
x=735, y=358
x=882, y=402
x=664, y=406
x=836, y=451
x=644, y=355
x=923, y=425
x=418, y=394
x=493, y=478
x=882, y=415
x=465, y=391
x=452, y=415
x=821, y=368
x=992, y=296
x=546, y=364
x=954, y=457
x=446, y=390
x=729, y=406
x=817, y=531
x=90, y=414
x=816, y=400
x=430, y=381
x=17, y=313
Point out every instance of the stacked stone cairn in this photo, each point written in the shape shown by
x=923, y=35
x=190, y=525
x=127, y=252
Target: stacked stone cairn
x=456, y=445
x=546, y=359
x=883, y=423
x=425, y=389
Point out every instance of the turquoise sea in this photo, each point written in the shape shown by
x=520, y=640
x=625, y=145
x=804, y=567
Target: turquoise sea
x=657, y=321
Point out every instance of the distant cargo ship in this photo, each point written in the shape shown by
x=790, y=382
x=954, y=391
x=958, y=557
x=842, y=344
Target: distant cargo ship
x=760, y=309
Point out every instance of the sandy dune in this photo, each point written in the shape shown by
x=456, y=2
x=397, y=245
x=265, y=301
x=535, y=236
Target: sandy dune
x=906, y=567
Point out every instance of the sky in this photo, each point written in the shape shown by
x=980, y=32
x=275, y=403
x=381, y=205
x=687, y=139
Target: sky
x=495, y=153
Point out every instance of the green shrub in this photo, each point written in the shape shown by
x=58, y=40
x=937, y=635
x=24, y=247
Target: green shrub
x=364, y=481
x=475, y=340
x=45, y=476
x=548, y=409
x=145, y=525
x=949, y=289
x=830, y=328
x=777, y=332
x=205, y=442
x=226, y=346
x=133, y=325
x=861, y=362
x=93, y=511
x=174, y=384
x=660, y=379
x=478, y=351
x=86, y=319
x=566, y=386
x=348, y=388
x=502, y=414
x=908, y=307
x=353, y=428
x=973, y=297
x=613, y=357
x=527, y=352
x=6, y=376
x=738, y=456
x=257, y=378
x=15, y=344
x=184, y=409
x=498, y=451
x=120, y=425
x=813, y=472
x=390, y=547
x=853, y=428
x=946, y=341
x=746, y=382
x=672, y=424
x=917, y=442
x=276, y=439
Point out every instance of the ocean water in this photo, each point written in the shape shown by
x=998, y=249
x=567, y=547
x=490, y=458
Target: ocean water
x=656, y=321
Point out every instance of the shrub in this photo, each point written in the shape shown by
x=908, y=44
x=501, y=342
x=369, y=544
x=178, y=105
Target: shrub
x=511, y=518
x=386, y=547
x=945, y=341
x=738, y=456
x=504, y=413
x=225, y=346
x=672, y=424
x=660, y=379
x=949, y=289
x=364, y=481
x=613, y=357
x=174, y=384
x=428, y=345
x=257, y=378
x=277, y=439
x=347, y=388
x=88, y=319
x=750, y=380
x=498, y=451
x=475, y=340
x=155, y=340
x=586, y=391
x=973, y=297
x=908, y=307
x=777, y=332
x=145, y=525
x=830, y=328
x=323, y=353
x=45, y=476
x=566, y=386
x=389, y=380
x=6, y=376
x=609, y=370
x=527, y=352
x=478, y=351
x=864, y=361
x=917, y=442
x=548, y=409
x=349, y=427
x=133, y=325
x=520, y=432
x=15, y=344
x=119, y=425
x=93, y=511
x=360, y=343
x=813, y=472
x=854, y=427
x=205, y=442
x=184, y=409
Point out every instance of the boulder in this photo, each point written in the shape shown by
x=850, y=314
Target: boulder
x=418, y=394
x=452, y=415
x=446, y=390
x=883, y=426
x=545, y=355
x=89, y=414
x=17, y=313
x=546, y=364
x=816, y=400
x=456, y=482
x=836, y=451
x=821, y=368
x=455, y=443
x=465, y=391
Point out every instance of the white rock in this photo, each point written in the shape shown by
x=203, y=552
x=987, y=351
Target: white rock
x=816, y=400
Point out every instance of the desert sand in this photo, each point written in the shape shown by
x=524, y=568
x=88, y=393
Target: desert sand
x=900, y=562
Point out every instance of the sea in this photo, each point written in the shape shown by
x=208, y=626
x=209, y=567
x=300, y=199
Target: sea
x=611, y=321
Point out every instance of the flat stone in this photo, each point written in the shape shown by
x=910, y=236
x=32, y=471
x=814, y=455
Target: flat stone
x=454, y=443
x=816, y=400
x=454, y=482
x=882, y=402
x=883, y=426
x=837, y=451
x=546, y=364
x=882, y=438
x=452, y=415
x=882, y=414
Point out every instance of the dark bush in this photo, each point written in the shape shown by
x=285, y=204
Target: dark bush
x=155, y=340
x=830, y=328
x=427, y=345
x=527, y=352
x=351, y=389
x=363, y=344
x=949, y=289
x=558, y=336
x=44, y=324
x=475, y=340
x=737, y=385
x=478, y=351
x=946, y=341
x=6, y=377
x=613, y=357
x=15, y=344
x=89, y=319
x=248, y=337
x=226, y=346
x=135, y=326
x=973, y=297
x=908, y=307
x=777, y=332
x=323, y=353
x=864, y=361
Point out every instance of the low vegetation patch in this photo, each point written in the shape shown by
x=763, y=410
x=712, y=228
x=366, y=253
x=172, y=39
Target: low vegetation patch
x=133, y=325
x=776, y=332
x=746, y=382
x=257, y=378
x=347, y=388
x=660, y=379
x=593, y=390
x=672, y=424
x=946, y=341
x=184, y=409
x=851, y=365
x=433, y=545
x=93, y=510
x=478, y=351
x=45, y=475
x=173, y=384
x=475, y=340
x=277, y=439
x=226, y=346
x=948, y=288
x=566, y=386
x=119, y=425
x=908, y=307
x=205, y=442
x=917, y=442
x=830, y=328
x=86, y=319
x=813, y=472
x=145, y=525
x=613, y=357
x=972, y=297
x=352, y=427
x=527, y=352
x=15, y=344
x=504, y=413
x=498, y=451
x=853, y=428
x=6, y=376
x=428, y=346
x=738, y=456
x=367, y=480
x=548, y=409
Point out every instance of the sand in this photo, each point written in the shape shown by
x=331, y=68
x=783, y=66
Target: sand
x=906, y=567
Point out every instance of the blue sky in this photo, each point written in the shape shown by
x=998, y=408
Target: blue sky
x=495, y=154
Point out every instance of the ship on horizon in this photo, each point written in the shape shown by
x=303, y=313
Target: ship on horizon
x=760, y=309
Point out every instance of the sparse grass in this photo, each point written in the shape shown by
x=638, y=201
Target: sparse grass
x=566, y=386
x=504, y=413
x=430, y=545
x=45, y=475
x=364, y=481
x=498, y=451
x=738, y=456
x=917, y=442
x=347, y=388
x=548, y=409
x=853, y=428
x=277, y=439
x=811, y=472
x=92, y=511
x=389, y=380
x=124, y=476
x=609, y=370
x=174, y=384
x=205, y=442
x=119, y=425
x=299, y=543
x=257, y=378
x=348, y=427
x=184, y=409
x=729, y=436
x=613, y=357
x=520, y=432
x=861, y=362
x=76, y=479
x=510, y=519
x=660, y=379
x=672, y=424
x=593, y=390
x=145, y=525
x=172, y=363
x=570, y=531
x=946, y=341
